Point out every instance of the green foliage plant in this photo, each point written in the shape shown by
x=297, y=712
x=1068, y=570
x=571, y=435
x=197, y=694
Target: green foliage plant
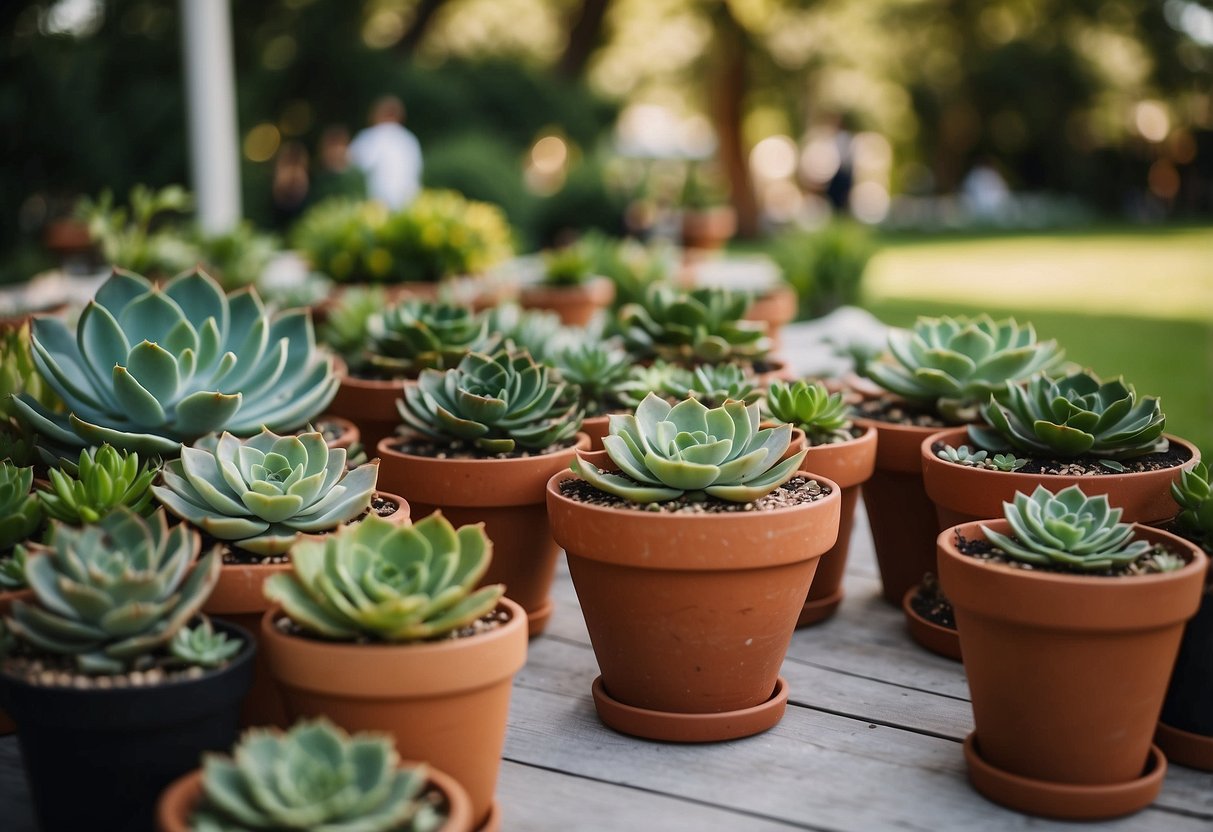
x=20, y=509
x=1195, y=497
x=415, y=335
x=105, y=478
x=700, y=326
x=823, y=416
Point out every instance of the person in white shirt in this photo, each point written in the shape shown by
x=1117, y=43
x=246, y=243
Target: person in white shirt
x=388, y=155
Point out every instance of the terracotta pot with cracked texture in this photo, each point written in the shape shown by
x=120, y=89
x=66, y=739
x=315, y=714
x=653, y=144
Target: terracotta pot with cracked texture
x=507, y=496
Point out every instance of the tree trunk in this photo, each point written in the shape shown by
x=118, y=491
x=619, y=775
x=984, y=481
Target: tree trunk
x=584, y=37
x=727, y=91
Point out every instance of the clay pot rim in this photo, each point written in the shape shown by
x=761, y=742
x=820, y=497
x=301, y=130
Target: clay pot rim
x=582, y=443
x=896, y=427
x=182, y=796
x=348, y=428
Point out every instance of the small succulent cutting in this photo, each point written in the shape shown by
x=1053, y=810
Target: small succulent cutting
x=597, y=369
x=1195, y=497
x=260, y=493
x=203, y=645
x=665, y=451
x=492, y=403
x=105, y=478
x=702, y=326
x=20, y=508
x=809, y=406
x=964, y=455
x=388, y=583
x=149, y=368
x=1073, y=416
x=714, y=384
x=111, y=594
x=952, y=365
x=313, y=778
x=416, y=335
x=1068, y=531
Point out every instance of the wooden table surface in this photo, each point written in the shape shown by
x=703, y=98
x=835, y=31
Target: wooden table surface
x=871, y=741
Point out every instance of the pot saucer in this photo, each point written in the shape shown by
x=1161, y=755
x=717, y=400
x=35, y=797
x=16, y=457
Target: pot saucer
x=1185, y=747
x=676, y=727
x=941, y=641
x=819, y=609
x=1064, y=801
x=492, y=823
x=537, y=621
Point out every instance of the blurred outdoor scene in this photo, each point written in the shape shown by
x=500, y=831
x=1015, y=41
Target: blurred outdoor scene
x=1047, y=159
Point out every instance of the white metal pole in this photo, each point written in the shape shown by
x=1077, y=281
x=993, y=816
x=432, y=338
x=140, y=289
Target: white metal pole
x=206, y=35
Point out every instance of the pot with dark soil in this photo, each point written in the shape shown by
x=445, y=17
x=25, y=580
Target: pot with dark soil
x=258, y=495
x=425, y=657
x=692, y=560
x=481, y=441
x=1069, y=623
x=107, y=717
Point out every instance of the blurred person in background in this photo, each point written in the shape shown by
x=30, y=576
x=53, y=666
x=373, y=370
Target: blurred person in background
x=290, y=186
x=336, y=176
x=985, y=191
x=389, y=155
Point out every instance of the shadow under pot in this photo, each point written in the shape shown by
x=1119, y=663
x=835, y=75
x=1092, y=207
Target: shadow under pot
x=690, y=614
x=98, y=758
x=507, y=495
x=1185, y=729
x=1067, y=674
x=445, y=701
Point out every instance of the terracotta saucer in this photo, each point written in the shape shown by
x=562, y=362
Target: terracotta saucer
x=942, y=641
x=537, y=620
x=1064, y=801
x=819, y=609
x=675, y=727
x=493, y=822
x=1185, y=747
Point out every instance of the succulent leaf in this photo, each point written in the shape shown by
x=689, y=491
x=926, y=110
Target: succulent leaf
x=415, y=335
x=1195, y=497
x=809, y=406
x=597, y=369
x=702, y=326
x=203, y=645
x=105, y=478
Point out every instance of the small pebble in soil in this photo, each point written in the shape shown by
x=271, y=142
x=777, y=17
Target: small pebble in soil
x=1089, y=466
x=898, y=412
x=796, y=491
x=486, y=623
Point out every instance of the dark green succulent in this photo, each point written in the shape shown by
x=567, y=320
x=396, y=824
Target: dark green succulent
x=105, y=478
x=1195, y=498
x=809, y=406
x=538, y=332
x=20, y=508
x=492, y=403
x=597, y=368
x=12, y=571
x=701, y=326
x=416, y=335
x=568, y=266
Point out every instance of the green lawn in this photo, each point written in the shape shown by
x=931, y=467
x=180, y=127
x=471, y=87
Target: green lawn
x=1137, y=303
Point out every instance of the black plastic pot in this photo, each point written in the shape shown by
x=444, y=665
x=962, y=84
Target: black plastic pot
x=98, y=759
x=1189, y=702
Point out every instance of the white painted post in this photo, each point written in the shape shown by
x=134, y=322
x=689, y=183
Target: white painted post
x=206, y=36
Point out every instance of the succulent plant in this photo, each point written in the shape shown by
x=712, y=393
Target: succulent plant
x=715, y=384
x=20, y=509
x=1073, y=416
x=387, y=582
x=203, y=645
x=597, y=369
x=105, y=478
x=1005, y=462
x=313, y=777
x=347, y=327
x=632, y=267
x=441, y=234
x=1195, y=497
x=416, y=335
x=1070, y=531
x=149, y=368
x=702, y=326
x=809, y=406
x=12, y=571
x=139, y=239
x=18, y=373
x=964, y=455
x=952, y=365
x=538, y=332
x=15, y=446
x=111, y=594
x=665, y=451
x=659, y=377
x=260, y=493
x=568, y=266
x=493, y=403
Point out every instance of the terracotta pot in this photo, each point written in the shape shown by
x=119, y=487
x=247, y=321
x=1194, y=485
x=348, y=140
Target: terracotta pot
x=899, y=512
x=1067, y=675
x=348, y=435
x=576, y=305
x=775, y=307
x=1185, y=730
x=596, y=428
x=708, y=228
x=239, y=597
x=445, y=702
x=504, y=494
x=6, y=604
x=690, y=615
x=849, y=464
x=181, y=799
x=371, y=405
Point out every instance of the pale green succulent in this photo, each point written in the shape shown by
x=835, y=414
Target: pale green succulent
x=701, y=326
x=203, y=645
x=386, y=582
x=597, y=369
x=346, y=329
x=952, y=365
x=1073, y=416
x=809, y=406
x=1006, y=462
x=113, y=593
x=313, y=778
x=538, y=332
x=18, y=373
x=260, y=493
x=715, y=384
x=492, y=403
x=1068, y=531
x=105, y=478
x=20, y=508
x=1195, y=497
x=659, y=377
x=150, y=368
x=416, y=335
x=964, y=455
x=666, y=451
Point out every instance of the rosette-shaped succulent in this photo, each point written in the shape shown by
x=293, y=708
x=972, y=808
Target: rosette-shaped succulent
x=105, y=478
x=1195, y=497
x=112, y=593
x=1069, y=530
x=809, y=406
x=416, y=335
x=1073, y=416
x=702, y=326
x=390, y=583
x=597, y=369
x=715, y=384
x=538, y=332
x=203, y=645
x=313, y=778
x=660, y=377
x=12, y=573
x=150, y=367
x=953, y=364
x=260, y=493
x=347, y=326
x=666, y=451
x=494, y=403
x=20, y=510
